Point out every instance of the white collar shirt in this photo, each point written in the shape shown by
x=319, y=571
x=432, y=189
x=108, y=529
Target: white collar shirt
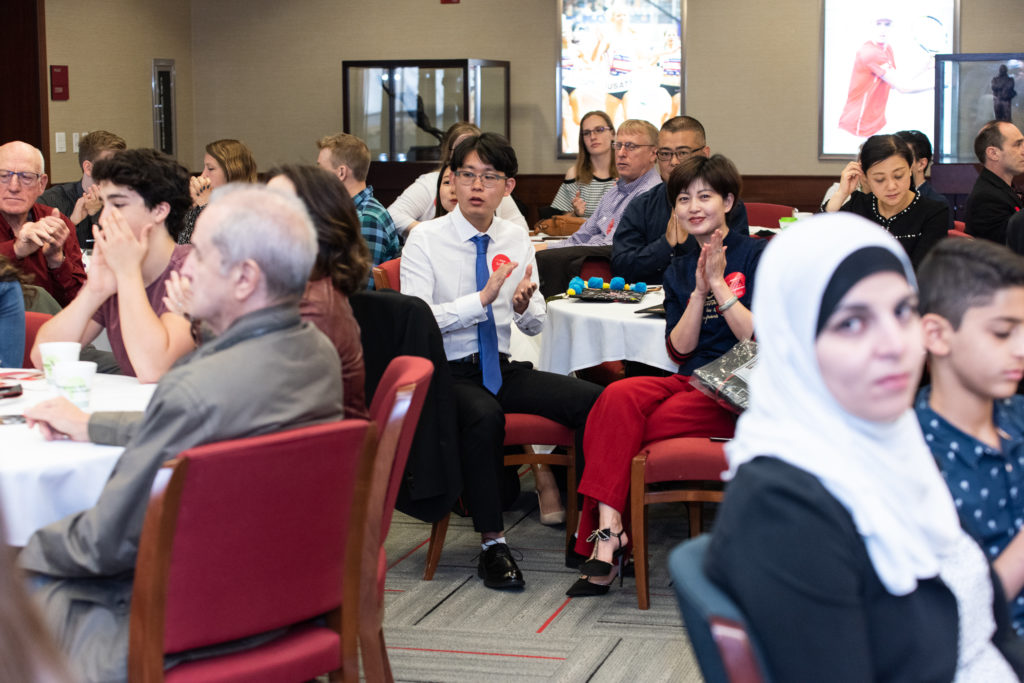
x=439, y=266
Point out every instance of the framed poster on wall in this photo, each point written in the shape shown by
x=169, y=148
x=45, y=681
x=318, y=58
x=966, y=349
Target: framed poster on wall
x=878, y=69
x=623, y=57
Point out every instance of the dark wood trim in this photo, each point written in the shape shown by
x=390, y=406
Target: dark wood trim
x=23, y=73
x=44, y=84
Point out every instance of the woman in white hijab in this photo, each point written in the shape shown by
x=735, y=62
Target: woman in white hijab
x=838, y=537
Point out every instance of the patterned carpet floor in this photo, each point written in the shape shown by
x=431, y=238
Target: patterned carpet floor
x=453, y=628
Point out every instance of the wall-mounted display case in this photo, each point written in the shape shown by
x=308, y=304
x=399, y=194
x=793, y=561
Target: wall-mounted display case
x=401, y=108
x=971, y=90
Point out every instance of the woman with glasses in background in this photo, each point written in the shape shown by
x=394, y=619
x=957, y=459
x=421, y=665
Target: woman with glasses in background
x=593, y=173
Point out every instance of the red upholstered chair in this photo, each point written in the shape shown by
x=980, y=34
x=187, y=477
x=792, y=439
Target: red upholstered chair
x=522, y=429
x=33, y=321
x=767, y=215
x=249, y=536
x=386, y=275
x=959, y=232
x=396, y=408
x=689, y=462
x=596, y=266
x=960, y=225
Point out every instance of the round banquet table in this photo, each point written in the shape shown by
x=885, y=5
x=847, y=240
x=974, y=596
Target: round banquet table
x=580, y=334
x=44, y=481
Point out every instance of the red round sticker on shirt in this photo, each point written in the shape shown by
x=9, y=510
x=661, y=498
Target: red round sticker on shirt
x=737, y=283
x=498, y=261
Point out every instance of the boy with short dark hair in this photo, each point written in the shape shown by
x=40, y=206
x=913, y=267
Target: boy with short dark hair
x=145, y=197
x=972, y=306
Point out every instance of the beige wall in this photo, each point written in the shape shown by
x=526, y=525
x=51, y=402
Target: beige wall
x=109, y=47
x=269, y=72
x=273, y=78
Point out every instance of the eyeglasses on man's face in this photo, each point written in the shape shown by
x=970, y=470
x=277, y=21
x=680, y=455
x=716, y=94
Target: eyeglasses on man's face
x=596, y=131
x=26, y=177
x=628, y=146
x=487, y=179
x=679, y=152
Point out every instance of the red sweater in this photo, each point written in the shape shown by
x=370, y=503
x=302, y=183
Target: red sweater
x=63, y=282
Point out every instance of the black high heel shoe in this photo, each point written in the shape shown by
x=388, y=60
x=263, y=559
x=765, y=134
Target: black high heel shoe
x=585, y=588
x=595, y=567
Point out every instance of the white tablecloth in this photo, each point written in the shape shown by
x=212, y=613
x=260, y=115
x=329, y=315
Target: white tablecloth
x=43, y=481
x=581, y=334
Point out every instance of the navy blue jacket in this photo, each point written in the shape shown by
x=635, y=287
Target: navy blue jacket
x=640, y=252
x=742, y=255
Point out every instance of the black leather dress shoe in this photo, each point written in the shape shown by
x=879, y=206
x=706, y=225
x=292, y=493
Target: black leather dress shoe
x=498, y=569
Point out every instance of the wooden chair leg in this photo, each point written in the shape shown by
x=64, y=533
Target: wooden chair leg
x=572, y=511
x=376, y=666
x=638, y=512
x=695, y=511
x=437, y=533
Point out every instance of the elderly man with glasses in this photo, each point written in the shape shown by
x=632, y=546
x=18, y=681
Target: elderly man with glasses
x=37, y=239
x=645, y=242
x=634, y=158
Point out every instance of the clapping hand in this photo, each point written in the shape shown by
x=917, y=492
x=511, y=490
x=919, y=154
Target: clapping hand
x=87, y=205
x=490, y=291
x=48, y=234
x=675, y=233
x=524, y=291
x=178, y=298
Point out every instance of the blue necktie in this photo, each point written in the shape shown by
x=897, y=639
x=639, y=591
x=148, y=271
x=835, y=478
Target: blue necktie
x=486, y=333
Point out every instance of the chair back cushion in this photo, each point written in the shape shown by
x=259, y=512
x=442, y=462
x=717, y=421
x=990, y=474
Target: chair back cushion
x=764, y=215
x=386, y=275
x=718, y=631
x=260, y=537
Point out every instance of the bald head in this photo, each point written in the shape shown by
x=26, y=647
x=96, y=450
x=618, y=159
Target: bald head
x=22, y=150
x=20, y=191
x=268, y=227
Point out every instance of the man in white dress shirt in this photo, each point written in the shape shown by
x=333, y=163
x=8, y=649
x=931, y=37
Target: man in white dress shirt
x=477, y=272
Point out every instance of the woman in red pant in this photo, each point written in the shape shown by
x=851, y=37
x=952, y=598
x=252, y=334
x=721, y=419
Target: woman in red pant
x=708, y=287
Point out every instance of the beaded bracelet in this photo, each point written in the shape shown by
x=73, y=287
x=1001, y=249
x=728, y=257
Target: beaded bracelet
x=728, y=304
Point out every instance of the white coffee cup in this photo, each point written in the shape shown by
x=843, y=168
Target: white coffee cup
x=74, y=380
x=57, y=352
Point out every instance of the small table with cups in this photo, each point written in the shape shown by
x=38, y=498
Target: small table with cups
x=43, y=481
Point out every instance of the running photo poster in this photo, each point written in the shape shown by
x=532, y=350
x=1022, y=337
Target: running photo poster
x=623, y=57
x=878, y=69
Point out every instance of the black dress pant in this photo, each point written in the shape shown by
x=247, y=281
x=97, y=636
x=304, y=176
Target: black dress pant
x=481, y=418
